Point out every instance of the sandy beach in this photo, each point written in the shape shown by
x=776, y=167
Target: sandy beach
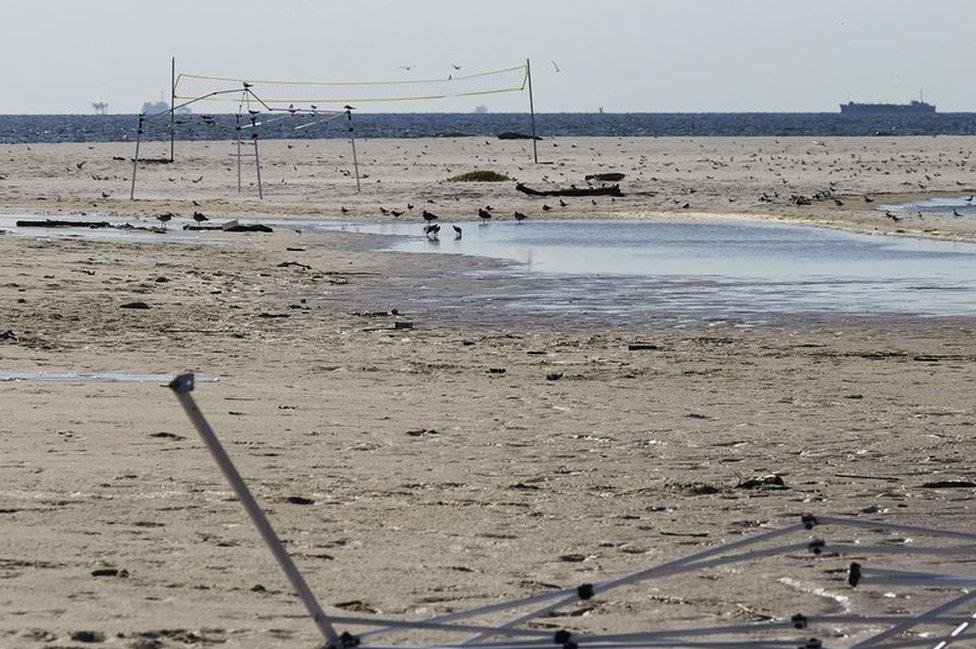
x=458, y=462
x=749, y=177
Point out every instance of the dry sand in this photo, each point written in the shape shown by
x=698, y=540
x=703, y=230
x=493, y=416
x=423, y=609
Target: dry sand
x=438, y=482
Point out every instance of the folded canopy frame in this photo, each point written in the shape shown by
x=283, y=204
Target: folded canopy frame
x=894, y=629
x=317, y=115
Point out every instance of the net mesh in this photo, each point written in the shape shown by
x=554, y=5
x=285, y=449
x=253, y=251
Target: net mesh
x=305, y=94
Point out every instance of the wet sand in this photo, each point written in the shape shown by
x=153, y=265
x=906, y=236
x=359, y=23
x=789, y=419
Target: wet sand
x=446, y=465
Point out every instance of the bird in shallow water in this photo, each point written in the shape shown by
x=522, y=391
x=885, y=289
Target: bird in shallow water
x=484, y=214
x=432, y=230
x=520, y=217
x=956, y=213
x=457, y=232
x=429, y=216
x=199, y=217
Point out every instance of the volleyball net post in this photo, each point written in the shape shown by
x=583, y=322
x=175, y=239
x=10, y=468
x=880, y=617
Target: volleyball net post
x=352, y=143
x=528, y=77
x=135, y=159
x=172, y=110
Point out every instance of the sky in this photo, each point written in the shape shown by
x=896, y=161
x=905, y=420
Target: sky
x=58, y=56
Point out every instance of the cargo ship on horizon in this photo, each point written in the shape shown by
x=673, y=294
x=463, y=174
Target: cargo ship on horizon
x=916, y=107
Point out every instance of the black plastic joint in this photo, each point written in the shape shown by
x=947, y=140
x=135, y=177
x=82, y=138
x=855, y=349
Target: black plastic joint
x=809, y=521
x=182, y=383
x=854, y=574
x=562, y=637
x=585, y=591
x=816, y=546
x=799, y=621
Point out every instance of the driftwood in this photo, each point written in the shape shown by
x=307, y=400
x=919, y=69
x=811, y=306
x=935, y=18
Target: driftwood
x=607, y=190
x=55, y=223
x=611, y=177
x=240, y=227
x=512, y=135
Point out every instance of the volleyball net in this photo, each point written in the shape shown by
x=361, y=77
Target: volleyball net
x=313, y=95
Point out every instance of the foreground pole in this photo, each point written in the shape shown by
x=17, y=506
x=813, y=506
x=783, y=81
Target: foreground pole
x=352, y=141
x=135, y=160
x=172, y=110
x=182, y=386
x=528, y=73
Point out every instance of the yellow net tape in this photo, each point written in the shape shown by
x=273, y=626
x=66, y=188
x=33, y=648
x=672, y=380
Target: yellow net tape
x=469, y=85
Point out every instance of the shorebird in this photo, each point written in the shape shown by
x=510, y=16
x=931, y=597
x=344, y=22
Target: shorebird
x=396, y=214
x=164, y=218
x=894, y=217
x=383, y=210
x=484, y=214
x=343, y=210
x=432, y=230
x=429, y=216
x=956, y=213
x=457, y=232
x=545, y=208
x=563, y=203
x=199, y=217
x=520, y=217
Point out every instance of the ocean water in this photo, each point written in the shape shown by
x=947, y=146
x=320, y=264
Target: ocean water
x=106, y=128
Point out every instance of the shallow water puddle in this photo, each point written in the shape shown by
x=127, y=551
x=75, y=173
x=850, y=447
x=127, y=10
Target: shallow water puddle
x=720, y=268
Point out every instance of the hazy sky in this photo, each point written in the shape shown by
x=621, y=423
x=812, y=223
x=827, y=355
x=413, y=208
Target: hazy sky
x=625, y=55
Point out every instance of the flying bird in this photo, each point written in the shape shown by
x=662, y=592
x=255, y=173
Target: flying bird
x=455, y=66
x=555, y=67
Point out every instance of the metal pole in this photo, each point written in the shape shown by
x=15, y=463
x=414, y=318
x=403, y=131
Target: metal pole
x=352, y=140
x=172, y=110
x=238, y=153
x=535, y=148
x=135, y=161
x=182, y=385
x=257, y=160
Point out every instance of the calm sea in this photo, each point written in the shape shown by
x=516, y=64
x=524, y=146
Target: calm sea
x=102, y=128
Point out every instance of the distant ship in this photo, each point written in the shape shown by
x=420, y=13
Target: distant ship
x=916, y=107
